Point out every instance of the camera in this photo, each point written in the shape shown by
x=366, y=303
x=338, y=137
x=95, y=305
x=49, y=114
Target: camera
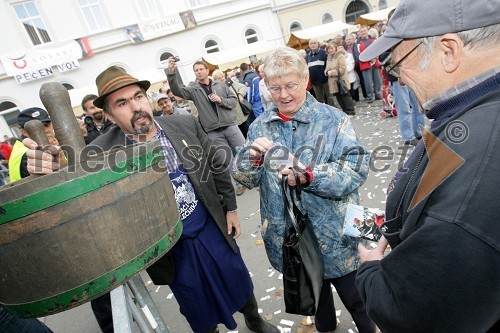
x=89, y=121
x=176, y=58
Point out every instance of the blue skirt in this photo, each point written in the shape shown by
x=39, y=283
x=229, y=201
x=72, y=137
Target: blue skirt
x=211, y=281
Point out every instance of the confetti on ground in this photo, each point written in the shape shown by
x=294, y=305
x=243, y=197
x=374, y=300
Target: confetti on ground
x=250, y=273
x=277, y=312
x=286, y=322
x=169, y=296
x=253, y=235
x=265, y=297
x=259, y=242
x=272, y=273
x=351, y=331
x=149, y=282
x=338, y=312
x=260, y=310
x=158, y=288
x=280, y=277
x=270, y=289
x=268, y=316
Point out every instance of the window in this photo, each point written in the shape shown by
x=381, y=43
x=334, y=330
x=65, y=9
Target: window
x=92, y=12
x=382, y=4
x=28, y=14
x=9, y=111
x=295, y=26
x=354, y=10
x=326, y=18
x=163, y=61
x=149, y=9
x=68, y=86
x=211, y=46
x=251, y=36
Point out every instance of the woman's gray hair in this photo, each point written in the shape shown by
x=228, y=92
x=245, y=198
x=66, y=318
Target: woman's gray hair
x=218, y=74
x=475, y=39
x=283, y=61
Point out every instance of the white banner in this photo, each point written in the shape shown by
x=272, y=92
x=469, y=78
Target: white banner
x=39, y=59
x=159, y=27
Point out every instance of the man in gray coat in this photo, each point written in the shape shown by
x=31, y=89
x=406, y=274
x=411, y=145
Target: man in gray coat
x=215, y=102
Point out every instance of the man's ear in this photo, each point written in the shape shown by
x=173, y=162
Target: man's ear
x=108, y=116
x=451, y=47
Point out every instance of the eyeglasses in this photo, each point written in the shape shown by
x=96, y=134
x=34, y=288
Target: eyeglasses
x=394, y=69
x=289, y=87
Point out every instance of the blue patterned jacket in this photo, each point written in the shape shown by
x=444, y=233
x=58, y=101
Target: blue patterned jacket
x=322, y=138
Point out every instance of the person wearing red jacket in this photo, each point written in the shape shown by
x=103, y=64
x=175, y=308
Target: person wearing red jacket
x=369, y=69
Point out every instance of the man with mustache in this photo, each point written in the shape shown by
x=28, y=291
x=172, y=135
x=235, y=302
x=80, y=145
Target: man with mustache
x=100, y=124
x=204, y=269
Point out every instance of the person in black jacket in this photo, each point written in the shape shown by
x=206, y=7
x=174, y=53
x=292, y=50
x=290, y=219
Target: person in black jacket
x=443, y=273
x=95, y=119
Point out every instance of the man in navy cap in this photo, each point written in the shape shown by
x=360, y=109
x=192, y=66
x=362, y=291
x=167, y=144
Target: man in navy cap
x=17, y=162
x=443, y=273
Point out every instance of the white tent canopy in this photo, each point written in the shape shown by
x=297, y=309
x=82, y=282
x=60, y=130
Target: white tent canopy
x=231, y=58
x=374, y=17
x=321, y=32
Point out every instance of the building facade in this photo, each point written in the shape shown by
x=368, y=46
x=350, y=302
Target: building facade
x=71, y=42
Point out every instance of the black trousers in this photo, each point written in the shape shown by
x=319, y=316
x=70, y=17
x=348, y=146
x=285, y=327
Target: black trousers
x=325, y=319
x=101, y=306
x=346, y=103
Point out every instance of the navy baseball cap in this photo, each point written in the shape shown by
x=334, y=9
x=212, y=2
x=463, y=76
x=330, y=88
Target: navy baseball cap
x=32, y=114
x=428, y=18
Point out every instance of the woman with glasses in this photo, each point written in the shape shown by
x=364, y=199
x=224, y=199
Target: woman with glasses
x=319, y=142
x=336, y=70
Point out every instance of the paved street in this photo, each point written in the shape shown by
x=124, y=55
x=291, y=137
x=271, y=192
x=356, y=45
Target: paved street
x=375, y=132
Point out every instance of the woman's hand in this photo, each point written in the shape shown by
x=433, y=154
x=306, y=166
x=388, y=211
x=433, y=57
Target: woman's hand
x=258, y=148
x=291, y=177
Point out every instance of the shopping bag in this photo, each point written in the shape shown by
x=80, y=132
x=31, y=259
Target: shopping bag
x=302, y=262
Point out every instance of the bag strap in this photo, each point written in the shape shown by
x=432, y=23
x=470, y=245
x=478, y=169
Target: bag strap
x=295, y=193
x=289, y=204
x=236, y=93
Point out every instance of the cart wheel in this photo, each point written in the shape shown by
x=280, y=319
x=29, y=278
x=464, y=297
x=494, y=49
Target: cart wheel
x=383, y=114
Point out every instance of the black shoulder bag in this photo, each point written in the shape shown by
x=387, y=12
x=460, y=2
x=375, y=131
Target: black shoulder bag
x=246, y=106
x=302, y=262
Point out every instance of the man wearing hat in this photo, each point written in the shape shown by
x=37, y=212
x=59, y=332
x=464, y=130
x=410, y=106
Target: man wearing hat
x=18, y=159
x=166, y=107
x=204, y=269
x=442, y=212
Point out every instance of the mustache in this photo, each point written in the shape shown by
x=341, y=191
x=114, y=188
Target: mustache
x=138, y=115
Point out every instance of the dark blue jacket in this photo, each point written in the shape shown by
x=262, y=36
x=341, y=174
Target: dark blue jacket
x=317, y=63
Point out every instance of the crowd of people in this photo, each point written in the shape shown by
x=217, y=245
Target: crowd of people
x=442, y=272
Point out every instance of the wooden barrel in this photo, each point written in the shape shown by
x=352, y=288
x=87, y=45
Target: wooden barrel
x=68, y=237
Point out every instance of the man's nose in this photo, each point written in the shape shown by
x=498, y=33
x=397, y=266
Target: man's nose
x=135, y=105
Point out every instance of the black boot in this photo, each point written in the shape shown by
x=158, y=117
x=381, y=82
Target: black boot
x=254, y=321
